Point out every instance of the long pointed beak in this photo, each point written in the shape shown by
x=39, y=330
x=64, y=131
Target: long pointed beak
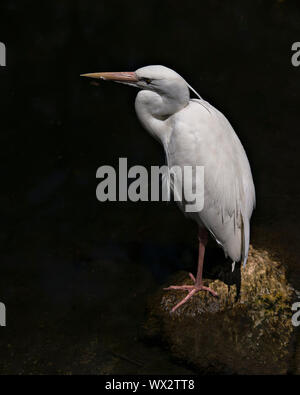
x=123, y=76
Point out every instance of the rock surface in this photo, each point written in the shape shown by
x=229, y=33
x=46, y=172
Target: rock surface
x=222, y=335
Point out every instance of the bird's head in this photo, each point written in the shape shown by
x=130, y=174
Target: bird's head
x=159, y=79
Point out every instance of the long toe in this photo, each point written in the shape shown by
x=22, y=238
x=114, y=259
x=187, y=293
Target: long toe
x=192, y=277
x=189, y=295
x=180, y=287
x=209, y=290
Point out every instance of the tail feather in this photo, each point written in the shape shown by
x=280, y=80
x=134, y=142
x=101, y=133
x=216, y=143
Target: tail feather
x=245, y=234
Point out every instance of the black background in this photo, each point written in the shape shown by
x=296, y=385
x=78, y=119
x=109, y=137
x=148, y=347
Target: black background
x=75, y=273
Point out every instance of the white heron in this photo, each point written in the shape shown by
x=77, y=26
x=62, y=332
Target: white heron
x=194, y=133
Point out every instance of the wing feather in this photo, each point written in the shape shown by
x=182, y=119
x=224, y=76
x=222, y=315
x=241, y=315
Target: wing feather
x=206, y=138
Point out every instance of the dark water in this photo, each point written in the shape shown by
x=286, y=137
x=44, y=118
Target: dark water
x=75, y=291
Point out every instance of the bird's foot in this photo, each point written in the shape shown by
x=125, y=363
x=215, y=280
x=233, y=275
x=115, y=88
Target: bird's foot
x=192, y=289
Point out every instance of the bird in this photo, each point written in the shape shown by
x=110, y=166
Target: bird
x=194, y=133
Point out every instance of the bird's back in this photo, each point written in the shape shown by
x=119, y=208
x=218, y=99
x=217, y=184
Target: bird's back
x=202, y=136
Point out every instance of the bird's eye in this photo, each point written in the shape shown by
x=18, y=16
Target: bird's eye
x=147, y=80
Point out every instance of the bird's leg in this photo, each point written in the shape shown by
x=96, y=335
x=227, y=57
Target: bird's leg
x=198, y=284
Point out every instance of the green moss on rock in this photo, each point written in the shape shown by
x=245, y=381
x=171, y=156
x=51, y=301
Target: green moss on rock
x=248, y=336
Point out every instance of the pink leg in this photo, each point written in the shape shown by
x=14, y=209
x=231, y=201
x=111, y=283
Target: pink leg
x=198, y=285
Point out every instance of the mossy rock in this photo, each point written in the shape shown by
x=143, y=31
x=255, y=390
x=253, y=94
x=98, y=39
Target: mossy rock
x=250, y=335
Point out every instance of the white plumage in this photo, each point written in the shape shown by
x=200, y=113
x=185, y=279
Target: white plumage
x=194, y=133
x=205, y=138
x=197, y=134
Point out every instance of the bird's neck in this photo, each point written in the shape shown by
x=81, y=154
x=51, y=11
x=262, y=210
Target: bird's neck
x=154, y=111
